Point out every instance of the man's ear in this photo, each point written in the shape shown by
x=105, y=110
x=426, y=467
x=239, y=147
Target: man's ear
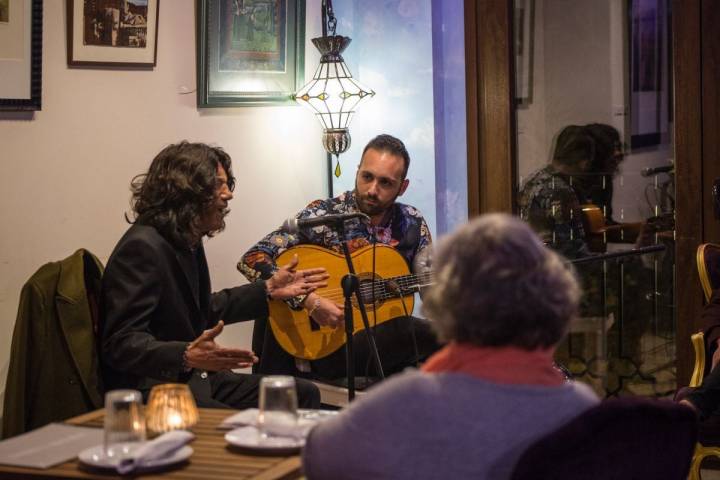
x=403, y=186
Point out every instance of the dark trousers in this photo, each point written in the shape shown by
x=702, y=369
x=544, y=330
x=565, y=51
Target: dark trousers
x=401, y=342
x=237, y=390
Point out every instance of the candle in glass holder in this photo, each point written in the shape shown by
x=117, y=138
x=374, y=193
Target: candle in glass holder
x=171, y=406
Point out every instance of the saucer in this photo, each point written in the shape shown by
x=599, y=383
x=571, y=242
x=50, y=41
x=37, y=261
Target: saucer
x=248, y=438
x=95, y=457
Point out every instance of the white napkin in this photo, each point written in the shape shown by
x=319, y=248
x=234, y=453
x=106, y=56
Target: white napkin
x=157, y=448
x=241, y=419
x=306, y=420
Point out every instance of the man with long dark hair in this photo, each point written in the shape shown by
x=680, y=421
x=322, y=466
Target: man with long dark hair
x=158, y=320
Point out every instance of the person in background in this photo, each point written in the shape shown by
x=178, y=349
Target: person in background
x=502, y=302
x=569, y=204
x=550, y=198
x=158, y=319
x=609, y=154
x=554, y=199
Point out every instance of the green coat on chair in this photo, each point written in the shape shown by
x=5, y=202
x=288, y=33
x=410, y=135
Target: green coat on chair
x=53, y=373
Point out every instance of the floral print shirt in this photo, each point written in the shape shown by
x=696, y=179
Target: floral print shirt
x=406, y=231
x=550, y=203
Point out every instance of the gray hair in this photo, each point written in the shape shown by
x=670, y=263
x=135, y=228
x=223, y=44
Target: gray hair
x=498, y=285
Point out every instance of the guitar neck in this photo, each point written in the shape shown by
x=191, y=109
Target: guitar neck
x=407, y=284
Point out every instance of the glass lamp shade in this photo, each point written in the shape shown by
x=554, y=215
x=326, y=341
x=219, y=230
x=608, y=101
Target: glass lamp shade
x=171, y=406
x=333, y=94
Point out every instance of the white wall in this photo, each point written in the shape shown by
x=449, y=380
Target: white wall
x=579, y=76
x=64, y=174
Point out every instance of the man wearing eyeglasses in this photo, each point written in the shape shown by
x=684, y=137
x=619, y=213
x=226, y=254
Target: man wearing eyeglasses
x=158, y=319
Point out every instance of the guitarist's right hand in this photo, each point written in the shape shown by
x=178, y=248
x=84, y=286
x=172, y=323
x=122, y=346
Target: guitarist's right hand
x=325, y=312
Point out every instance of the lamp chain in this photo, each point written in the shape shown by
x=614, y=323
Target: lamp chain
x=332, y=21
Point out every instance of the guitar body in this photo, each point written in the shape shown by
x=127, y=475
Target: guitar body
x=300, y=336
x=598, y=233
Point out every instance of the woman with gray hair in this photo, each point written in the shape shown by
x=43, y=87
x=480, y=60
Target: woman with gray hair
x=502, y=301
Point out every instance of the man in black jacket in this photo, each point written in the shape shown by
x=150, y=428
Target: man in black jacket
x=159, y=320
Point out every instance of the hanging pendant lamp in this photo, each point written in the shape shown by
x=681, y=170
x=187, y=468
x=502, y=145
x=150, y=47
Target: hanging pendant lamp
x=333, y=94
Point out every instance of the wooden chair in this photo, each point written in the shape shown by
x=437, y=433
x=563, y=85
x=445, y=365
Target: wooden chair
x=702, y=450
x=708, y=265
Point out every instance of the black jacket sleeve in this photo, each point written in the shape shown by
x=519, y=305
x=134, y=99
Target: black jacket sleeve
x=139, y=336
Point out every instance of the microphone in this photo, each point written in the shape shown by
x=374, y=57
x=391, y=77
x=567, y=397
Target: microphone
x=294, y=225
x=650, y=171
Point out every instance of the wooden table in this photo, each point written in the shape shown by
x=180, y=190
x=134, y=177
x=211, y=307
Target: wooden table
x=212, y=458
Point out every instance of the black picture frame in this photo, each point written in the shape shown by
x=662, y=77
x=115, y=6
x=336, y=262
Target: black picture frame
x=524, y=31
x=86, y=50
x=28, y=69
x=229, y=72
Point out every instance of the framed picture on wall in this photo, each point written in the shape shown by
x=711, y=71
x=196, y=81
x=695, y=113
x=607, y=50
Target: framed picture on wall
x=249, y=52
x=650, y=88
x=20, y=55
x=112, y=33
x=524, y=11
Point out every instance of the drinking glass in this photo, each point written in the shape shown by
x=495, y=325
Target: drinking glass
x=124, y=423
x=277, y=416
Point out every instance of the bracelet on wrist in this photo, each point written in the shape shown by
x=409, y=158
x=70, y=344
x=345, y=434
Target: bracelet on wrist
x=315, y=306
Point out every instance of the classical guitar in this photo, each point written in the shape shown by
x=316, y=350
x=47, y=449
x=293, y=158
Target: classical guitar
x=599, y=233
x=382, y=294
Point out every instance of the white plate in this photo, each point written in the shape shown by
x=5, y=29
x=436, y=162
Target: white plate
x=95, y=457
x=248, y=438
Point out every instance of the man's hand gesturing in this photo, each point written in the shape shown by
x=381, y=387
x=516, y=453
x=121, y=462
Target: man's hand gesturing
x=203, y=353
x=288, y=282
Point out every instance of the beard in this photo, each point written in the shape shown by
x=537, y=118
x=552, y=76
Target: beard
x=213, y=221
x=370, y=205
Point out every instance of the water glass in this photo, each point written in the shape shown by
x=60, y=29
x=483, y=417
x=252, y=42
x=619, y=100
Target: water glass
x=277, y=416
x=124, y=423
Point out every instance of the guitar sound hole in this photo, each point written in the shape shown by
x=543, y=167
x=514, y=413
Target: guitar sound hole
x=366, y=290
x=314, y=326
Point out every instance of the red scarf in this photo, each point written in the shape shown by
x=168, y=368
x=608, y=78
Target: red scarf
x=508, y=365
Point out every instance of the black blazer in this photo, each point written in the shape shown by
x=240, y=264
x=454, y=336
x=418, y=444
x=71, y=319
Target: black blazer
x=149, y=310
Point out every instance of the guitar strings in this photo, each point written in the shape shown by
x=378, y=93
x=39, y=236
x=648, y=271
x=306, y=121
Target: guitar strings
x=404, y=282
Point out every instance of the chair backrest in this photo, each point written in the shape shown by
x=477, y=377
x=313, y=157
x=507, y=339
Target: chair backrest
x=620, y=438
x=708, y=265
x=698, y=341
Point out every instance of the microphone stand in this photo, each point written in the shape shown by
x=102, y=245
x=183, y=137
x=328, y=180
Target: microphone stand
x=351, y=285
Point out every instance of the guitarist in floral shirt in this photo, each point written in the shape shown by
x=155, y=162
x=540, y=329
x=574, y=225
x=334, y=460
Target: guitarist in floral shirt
x=380, y=179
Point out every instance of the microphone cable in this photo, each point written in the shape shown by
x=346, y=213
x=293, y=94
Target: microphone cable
x=374, y=305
